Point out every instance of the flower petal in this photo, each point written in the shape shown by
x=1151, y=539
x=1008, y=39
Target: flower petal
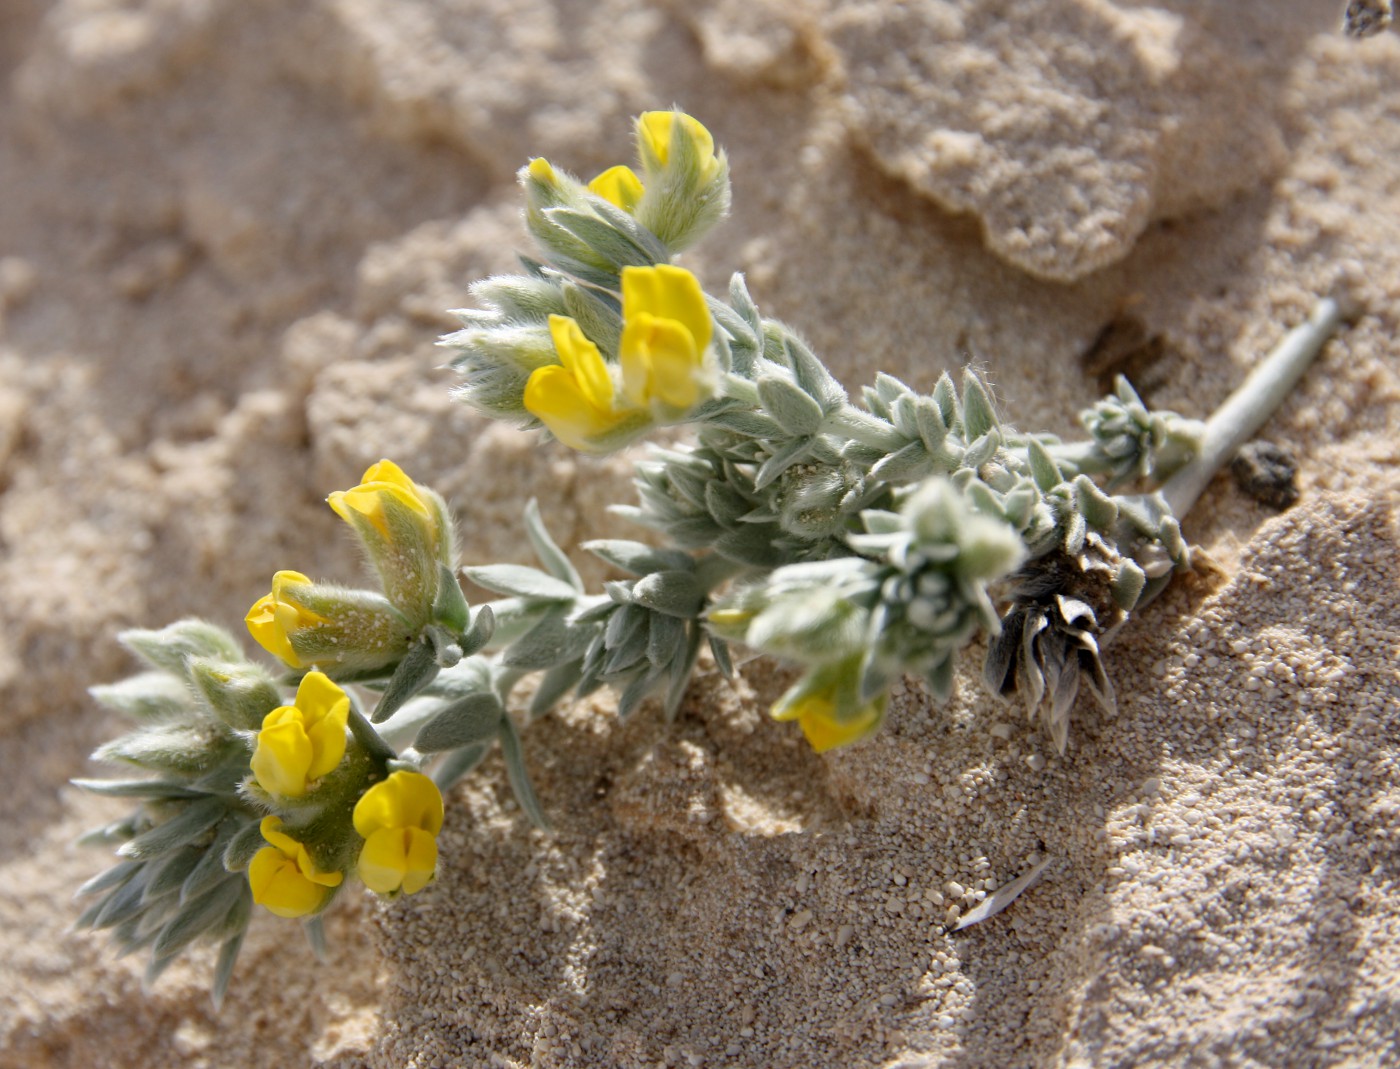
x=618, y=185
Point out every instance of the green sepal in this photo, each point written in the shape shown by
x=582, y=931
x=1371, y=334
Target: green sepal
x=450, y=607
x=241, y=694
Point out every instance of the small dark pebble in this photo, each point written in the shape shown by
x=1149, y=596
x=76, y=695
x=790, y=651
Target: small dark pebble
x=1265, y=472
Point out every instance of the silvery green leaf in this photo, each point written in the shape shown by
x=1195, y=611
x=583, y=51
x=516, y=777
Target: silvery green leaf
x=481, y=632
x=796, y=411
x=984, y=500
x=121, y=905
x=466, y=722
x=940, y=678
x=1128, y=584
x=666, y=635
x=193, y=820
x=111, y=878
x=551, y=641
x=724, y=504
x=210, y=867
x=147, y=696
x=909, y=464
x=136, y=788
x=882, y=522
x=903, y=416
x=1075, y=530
x=520, y=581
x=170, y=648
x=864, y=430
x=637, y=558
x=417, y=669
x=813, y=377
x=1019, y=506
x=680, y=671
x=1044, y=470
x=555, y=560
x=795, y=450
x=246, y=842
x=178, y=749
x=215, y=911
x=719, y=649
x=982, y=449
x=889, y=389
x=675, y=593
x=315, y=929
x=744, y=306
x=945, y=396
x=636, y=692
x=457, y=764
x=749, y=545
x=750, y=424
x=223, y=968
x=519, y=776
x=1098, y=508
x=518, y=298
x=169, y=872
x=554, y=684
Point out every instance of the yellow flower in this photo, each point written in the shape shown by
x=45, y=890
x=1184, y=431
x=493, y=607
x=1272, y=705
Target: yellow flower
x=284, y=878
x=619, y=185
x=654, y=133
x=275, y=617
x=816, y=714
x=399, y=819
x=574, y=400
x=382, y=481
x=300, y=743
x=665, y=329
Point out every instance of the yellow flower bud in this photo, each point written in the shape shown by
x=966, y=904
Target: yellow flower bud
x=666, y=329
x=399, y=819
x=654, y=134
x=307, y=624
x=618, y=185
x=407, y=532
x=301, y=743
x=284, y=878
x=383, y=484
x=541, y=171
x=274, y=618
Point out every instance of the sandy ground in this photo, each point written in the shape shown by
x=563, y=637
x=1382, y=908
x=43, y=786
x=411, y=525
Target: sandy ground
x=228, y=233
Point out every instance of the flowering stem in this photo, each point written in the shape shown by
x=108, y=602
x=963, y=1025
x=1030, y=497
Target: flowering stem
x=1251, y=405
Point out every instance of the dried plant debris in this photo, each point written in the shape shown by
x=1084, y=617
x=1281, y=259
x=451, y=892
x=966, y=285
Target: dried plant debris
x=1266, y=472
x=1366, y=18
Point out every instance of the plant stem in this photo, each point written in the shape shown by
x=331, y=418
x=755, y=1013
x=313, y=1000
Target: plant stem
x=1251, y=405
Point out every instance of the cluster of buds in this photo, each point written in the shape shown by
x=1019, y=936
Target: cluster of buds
x=864, y=540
